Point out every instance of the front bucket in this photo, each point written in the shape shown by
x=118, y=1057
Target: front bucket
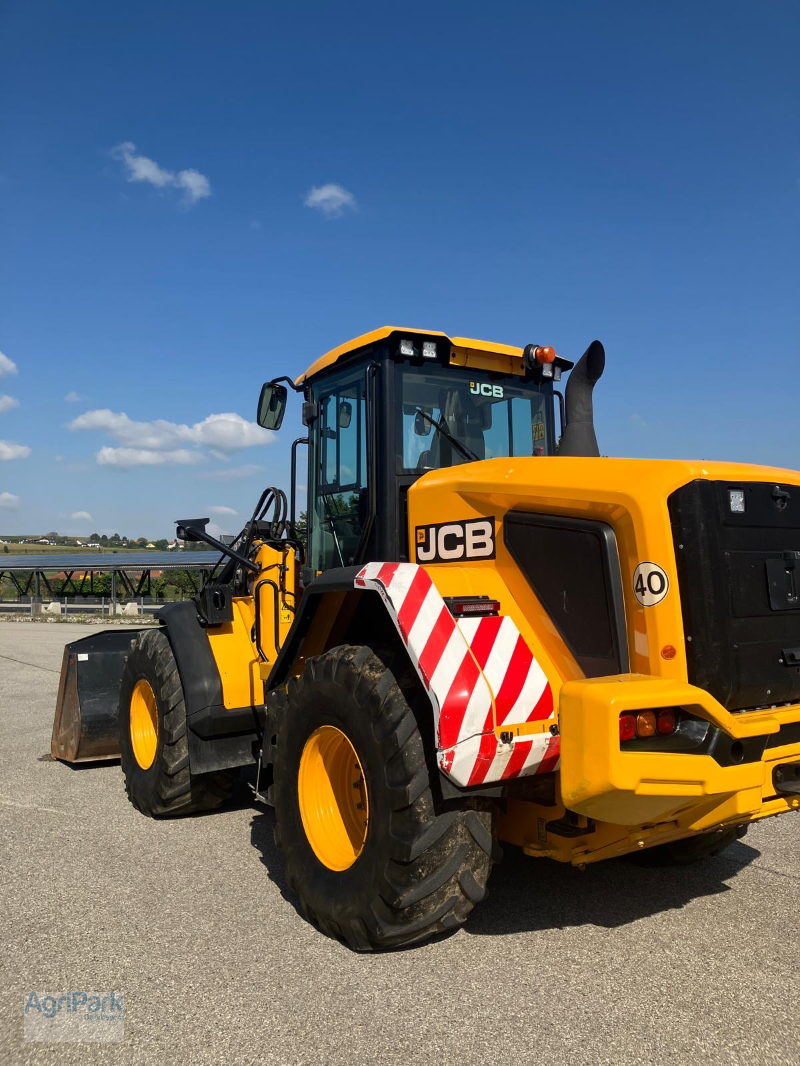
x=85, y=725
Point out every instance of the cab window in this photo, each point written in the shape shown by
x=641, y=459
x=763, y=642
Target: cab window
x=338, y=457
x=449, y=415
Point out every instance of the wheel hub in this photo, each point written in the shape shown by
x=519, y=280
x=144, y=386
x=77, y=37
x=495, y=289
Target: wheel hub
x=144, y=723
x=332, y=795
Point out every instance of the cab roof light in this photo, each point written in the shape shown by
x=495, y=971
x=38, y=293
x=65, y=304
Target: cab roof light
x=472, y=606
x=407, y=348
x=543, y=358
x=429, y=349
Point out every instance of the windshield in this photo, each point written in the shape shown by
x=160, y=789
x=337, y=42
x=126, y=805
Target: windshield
x=450, y=415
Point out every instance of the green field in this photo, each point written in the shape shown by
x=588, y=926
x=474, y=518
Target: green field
x=64, y=549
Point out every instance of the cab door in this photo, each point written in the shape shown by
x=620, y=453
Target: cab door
x=339, y=506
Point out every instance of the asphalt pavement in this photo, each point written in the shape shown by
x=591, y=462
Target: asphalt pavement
x=191, y=921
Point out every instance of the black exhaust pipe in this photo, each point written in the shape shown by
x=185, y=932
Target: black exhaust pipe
x=579, y=437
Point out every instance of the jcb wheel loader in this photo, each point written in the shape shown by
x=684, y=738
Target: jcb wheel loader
x=492, y=633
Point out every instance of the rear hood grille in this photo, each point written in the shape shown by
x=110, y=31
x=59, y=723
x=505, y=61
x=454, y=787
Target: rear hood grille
x=739, y=576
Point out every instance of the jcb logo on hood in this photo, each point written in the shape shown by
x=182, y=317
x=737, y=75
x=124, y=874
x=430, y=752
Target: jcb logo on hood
x=448, y=542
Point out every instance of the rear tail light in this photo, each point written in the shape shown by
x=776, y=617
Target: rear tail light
x=472, y=606
x=627, y=727
x=667, y=721
x=642, y=724
x=645, y=723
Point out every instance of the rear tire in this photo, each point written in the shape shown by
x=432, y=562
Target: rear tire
x=155, y=762
x=414, y=871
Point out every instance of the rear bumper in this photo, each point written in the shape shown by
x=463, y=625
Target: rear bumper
x=632, y=788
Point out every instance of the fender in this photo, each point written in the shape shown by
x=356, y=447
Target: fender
x=218, y=738
x=479, y=674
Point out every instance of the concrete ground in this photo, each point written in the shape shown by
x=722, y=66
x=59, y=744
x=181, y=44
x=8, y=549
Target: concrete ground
x=191, y=920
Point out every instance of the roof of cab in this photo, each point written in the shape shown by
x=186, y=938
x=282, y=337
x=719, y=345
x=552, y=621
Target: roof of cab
x=335, y=354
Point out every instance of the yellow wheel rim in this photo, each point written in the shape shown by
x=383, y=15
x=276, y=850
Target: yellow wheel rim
x=333, y=798
x=144, y=723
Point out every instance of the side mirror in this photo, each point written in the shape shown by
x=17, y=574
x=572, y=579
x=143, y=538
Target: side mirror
x=422, y=426
x=271, y=405
x=345, y=414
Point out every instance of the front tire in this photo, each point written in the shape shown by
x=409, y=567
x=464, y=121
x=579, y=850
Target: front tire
x=374, y=863
x=153, y=744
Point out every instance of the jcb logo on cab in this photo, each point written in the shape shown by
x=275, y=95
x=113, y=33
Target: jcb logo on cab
x=481, y=388
x=448, y=542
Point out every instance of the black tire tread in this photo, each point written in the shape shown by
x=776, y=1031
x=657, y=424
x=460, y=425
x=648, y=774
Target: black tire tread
x=169, y=788
x=437, y=862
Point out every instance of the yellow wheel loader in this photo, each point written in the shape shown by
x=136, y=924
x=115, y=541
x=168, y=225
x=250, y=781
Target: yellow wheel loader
x=490, y=633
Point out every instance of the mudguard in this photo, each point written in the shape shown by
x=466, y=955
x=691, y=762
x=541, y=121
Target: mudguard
x=480, y=676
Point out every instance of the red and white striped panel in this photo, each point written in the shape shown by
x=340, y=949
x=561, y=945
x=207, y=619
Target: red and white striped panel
x=478, y=671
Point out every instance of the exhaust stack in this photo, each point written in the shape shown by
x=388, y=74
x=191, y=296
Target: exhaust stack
x=579, y=437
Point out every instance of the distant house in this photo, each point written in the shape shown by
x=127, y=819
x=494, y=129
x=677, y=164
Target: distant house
x=93, y=544
x=174, y=545
x=43, y=540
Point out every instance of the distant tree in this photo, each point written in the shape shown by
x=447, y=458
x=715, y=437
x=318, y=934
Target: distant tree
x=141, y=542
x=161, y=544
x=94, y=537
x=5, y=549
x=301, y=527
x=104, y=540
x=178, y=580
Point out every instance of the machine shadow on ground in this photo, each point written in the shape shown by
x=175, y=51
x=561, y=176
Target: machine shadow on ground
x=533, y=895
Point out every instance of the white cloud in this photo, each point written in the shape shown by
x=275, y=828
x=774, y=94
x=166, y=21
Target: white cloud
x=161, y=441
x=194, y=185
x=127, y=457
x=237, y=472
x=638, y=421
x=13, y=451
x=7, y=403
x=81, y=516
x=7, y=366
x=73, y=397
x=331, y=199
x=215, y=509
x=8, y=501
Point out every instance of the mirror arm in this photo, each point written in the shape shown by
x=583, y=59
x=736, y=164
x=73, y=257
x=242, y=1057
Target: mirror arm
x=289, y=382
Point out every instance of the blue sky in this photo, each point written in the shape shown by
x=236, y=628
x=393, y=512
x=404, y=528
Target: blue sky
x=513, y=171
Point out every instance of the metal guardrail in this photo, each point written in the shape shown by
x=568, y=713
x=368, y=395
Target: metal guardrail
x=103, y=606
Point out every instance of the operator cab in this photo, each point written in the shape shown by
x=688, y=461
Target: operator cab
x=387, y=407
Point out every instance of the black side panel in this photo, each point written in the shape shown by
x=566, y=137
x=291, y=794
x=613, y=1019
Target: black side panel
x=739, y=582
x=572, y=565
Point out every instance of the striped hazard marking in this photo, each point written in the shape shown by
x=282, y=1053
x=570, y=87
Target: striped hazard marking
x=479, y=673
